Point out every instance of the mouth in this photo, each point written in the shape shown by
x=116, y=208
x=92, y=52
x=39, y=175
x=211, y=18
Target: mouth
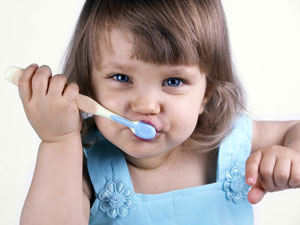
x=154, y=125
x=149, y=122
x=147, y=140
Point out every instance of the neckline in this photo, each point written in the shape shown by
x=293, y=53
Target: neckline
x=171, y=193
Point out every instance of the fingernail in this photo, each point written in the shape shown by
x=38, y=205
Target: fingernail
x=250, y=181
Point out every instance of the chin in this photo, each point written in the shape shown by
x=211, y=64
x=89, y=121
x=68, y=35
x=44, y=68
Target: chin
x=140, y=150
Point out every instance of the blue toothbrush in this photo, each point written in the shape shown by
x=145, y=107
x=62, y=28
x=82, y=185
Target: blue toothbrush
x=90, y=106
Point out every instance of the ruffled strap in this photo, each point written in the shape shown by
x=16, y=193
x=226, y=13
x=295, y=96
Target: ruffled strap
x=110, y=178
x=106, y=163
x=235, y=148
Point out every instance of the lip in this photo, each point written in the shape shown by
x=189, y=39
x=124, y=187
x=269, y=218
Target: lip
x=147, y=140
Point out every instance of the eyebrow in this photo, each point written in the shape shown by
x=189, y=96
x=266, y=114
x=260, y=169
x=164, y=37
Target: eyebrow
x=180, y=70
x=176, y=70
x=121, y=66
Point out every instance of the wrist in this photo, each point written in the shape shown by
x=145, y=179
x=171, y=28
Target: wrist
x=70, y=141
x=292, y=138
x=63, y=139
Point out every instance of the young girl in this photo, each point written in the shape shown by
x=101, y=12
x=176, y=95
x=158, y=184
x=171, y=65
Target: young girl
x=168, y=64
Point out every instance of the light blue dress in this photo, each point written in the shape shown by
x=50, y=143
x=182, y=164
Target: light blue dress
x=221, y=203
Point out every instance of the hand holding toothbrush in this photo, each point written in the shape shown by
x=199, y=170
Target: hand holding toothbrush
x=34, y=82
x=49, y=103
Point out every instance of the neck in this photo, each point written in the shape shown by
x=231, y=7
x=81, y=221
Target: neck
x=176, y=170
x=154, y=163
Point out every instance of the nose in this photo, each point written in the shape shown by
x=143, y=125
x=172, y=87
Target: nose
x=145, y=103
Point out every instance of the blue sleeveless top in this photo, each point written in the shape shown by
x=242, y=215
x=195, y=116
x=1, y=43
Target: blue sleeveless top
x=221, y=203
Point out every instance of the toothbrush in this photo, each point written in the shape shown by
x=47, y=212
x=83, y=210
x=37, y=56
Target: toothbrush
x=90, y=106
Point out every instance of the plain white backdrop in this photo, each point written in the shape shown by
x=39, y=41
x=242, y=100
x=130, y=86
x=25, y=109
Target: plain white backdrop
x=265, y=37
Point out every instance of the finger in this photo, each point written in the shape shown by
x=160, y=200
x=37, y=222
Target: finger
x=282, y=172
x=266, y=171
x=294, y=181
x=256, y=194
x=24, y=86
x=71, y=91
x=252, y=165
x=57, y=85
x=40, y=81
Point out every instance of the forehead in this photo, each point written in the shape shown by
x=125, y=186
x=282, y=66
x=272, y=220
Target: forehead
x=118, y=44
x=124, y=43
x=117, y=51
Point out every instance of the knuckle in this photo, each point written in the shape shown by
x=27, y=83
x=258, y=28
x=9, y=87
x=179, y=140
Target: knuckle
x=36, y=79
x=73, y=89
x=270, y=149
x=33, y=65
x=282, y=175
x=251, y=160
x=28, y=72
x=266, y=172
x=295, y=180
x=281, y=178
x=59, y=79
x=254, y=158
x=74, y=86
x=44, y=69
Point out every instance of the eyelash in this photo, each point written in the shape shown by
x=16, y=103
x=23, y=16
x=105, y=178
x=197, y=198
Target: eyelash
x=126, y=79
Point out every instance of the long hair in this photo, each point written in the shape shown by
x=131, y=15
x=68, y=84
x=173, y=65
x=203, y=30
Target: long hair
x=174, y=32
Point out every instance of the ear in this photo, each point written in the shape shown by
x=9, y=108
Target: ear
x=206, y=98
x=203, y=104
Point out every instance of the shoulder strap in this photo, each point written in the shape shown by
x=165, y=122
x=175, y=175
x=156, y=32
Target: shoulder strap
x=235, y=148
x=106, y=163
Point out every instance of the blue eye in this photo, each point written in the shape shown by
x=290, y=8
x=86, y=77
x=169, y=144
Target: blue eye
x=121, y=77
x=173, y=82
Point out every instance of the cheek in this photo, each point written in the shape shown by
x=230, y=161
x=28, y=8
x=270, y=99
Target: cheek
x=184, y=122
x=108, y=128
x=108, y=101
x=189, y=123
x=103, y=124
x=112, y=101
x=185, y=116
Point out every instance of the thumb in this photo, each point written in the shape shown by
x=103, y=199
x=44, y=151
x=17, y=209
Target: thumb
x=256, y=193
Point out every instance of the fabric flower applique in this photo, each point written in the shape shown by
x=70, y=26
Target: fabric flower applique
x=116, y=199
x=235, y=185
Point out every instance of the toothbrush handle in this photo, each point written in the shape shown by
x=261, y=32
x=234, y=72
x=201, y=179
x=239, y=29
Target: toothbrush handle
x=89, y=105
x=84, y=103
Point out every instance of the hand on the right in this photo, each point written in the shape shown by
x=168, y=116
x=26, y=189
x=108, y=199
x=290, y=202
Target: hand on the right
x=50, y=103
x=270, y=169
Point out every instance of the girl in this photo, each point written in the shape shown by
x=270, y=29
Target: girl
x=166, y=63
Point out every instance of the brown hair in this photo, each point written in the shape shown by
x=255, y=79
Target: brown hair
x=185, y=32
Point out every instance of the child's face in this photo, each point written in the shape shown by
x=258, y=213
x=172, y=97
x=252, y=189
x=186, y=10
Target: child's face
x=168, y=97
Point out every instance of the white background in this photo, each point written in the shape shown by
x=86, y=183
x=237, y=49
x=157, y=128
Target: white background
x=265, y=37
